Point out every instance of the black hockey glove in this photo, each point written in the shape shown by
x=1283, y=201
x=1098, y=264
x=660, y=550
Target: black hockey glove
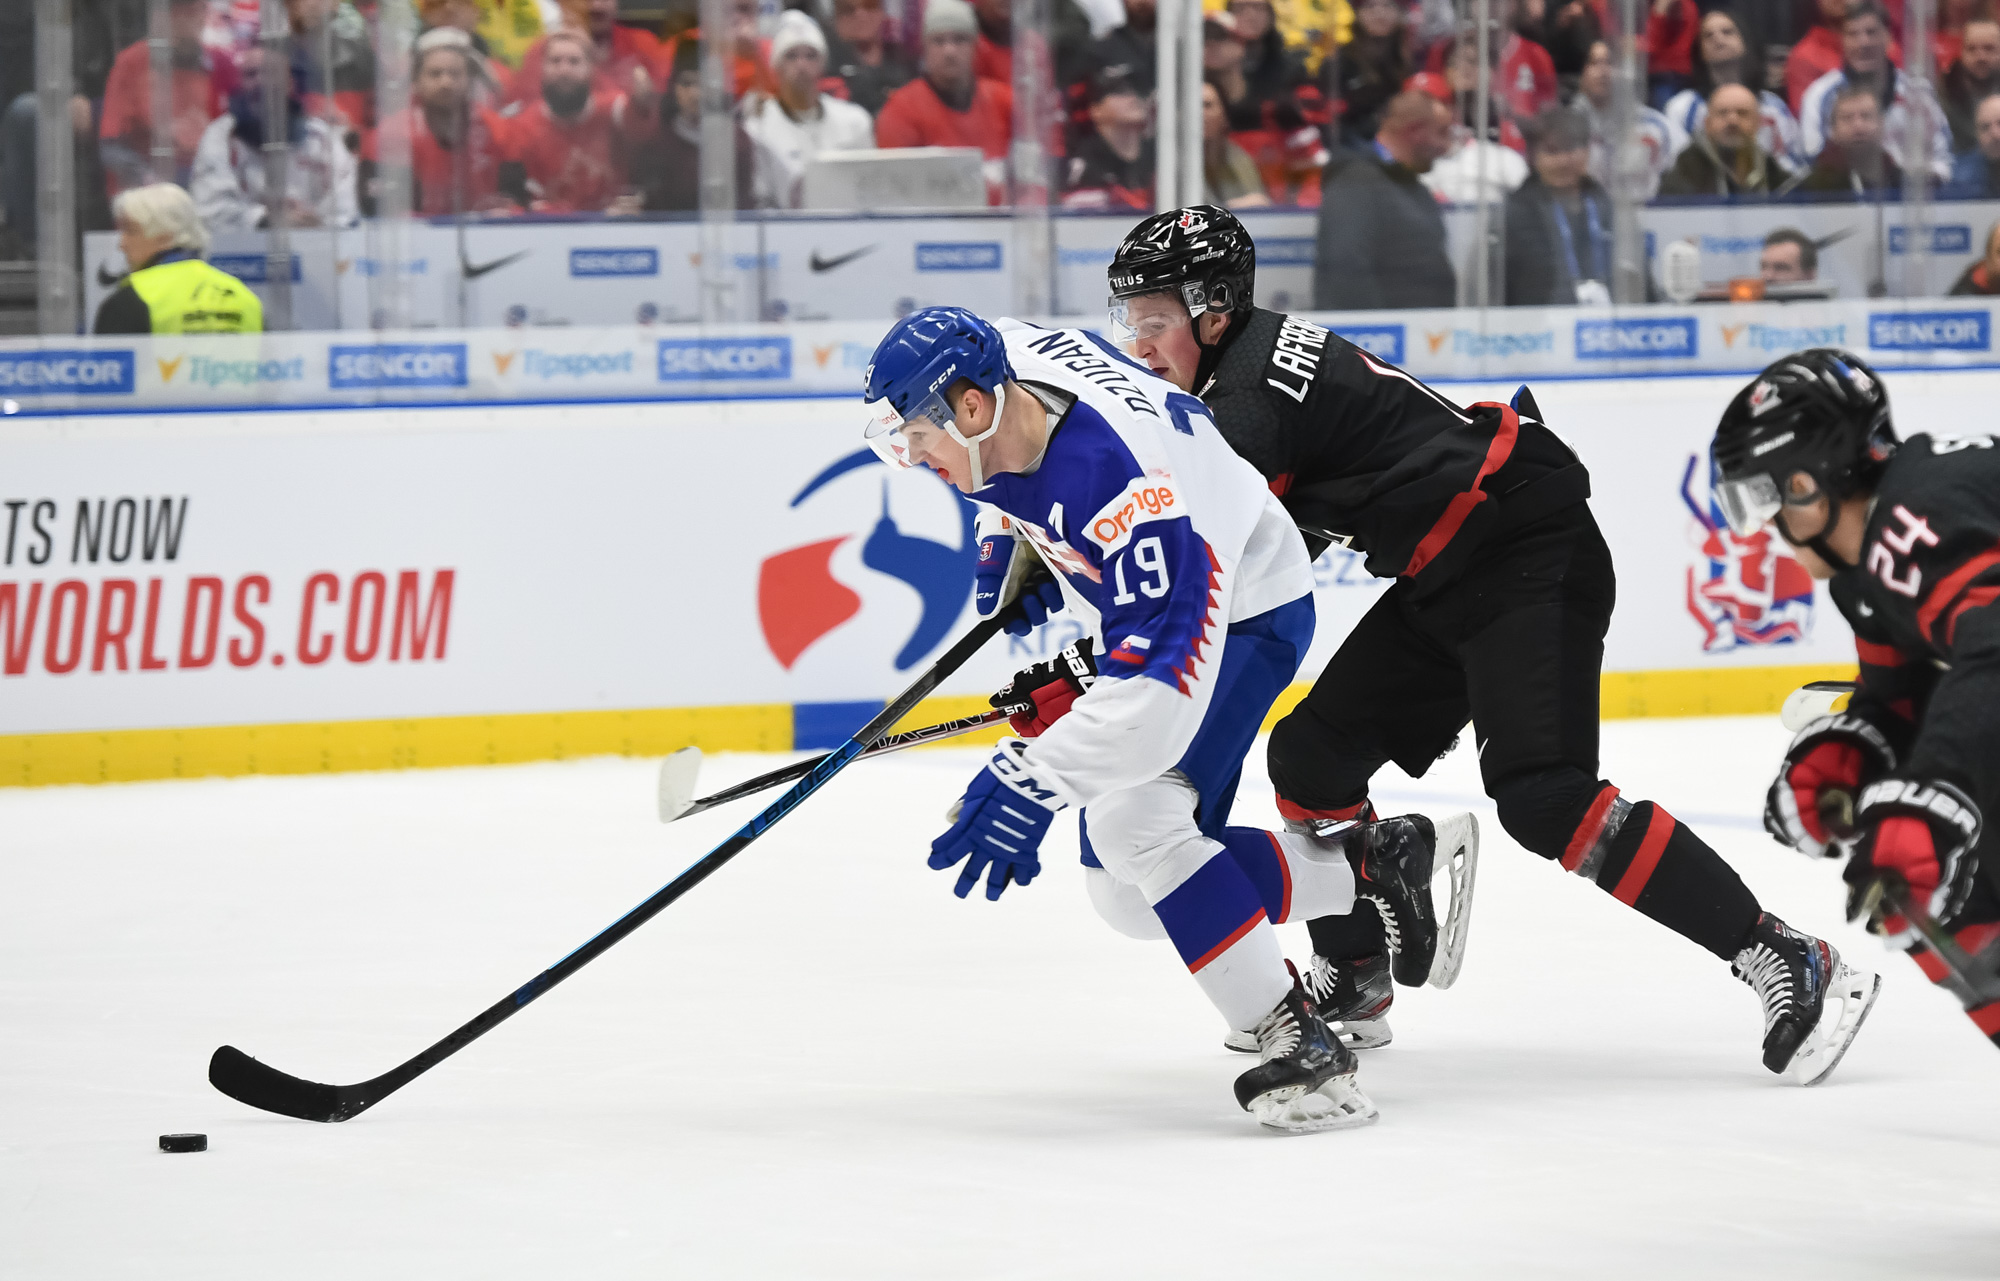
x=1039, y=696
x=1921, y=834
x=1811, y=803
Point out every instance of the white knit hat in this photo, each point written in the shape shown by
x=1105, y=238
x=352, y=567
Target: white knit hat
x=949, y=18
x=795, y=29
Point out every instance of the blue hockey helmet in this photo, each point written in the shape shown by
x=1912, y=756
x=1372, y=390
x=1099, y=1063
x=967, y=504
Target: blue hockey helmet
x=908, y=383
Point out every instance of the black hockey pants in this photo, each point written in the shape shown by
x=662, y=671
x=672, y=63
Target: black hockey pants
x=1515, y=644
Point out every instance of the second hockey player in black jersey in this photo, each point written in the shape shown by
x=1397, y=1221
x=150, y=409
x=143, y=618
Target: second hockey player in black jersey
x=1503, y=593
x=1909, y=535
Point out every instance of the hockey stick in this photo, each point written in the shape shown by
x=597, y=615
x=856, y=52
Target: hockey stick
x=1811, y=701
x=246, y=1080
x=1975, y=981
x=677, y=772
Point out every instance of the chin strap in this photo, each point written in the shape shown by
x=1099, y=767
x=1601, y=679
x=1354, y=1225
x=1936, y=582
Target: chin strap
x=1817, y=543
x=1211, y=353
x=971, y=443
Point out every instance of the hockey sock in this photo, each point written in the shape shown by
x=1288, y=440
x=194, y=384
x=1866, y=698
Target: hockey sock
x=1292, y=875
x=1345, y=938
x=1643, y=858
x=1349, y=934
x=1216, y=920
x=1974, y=939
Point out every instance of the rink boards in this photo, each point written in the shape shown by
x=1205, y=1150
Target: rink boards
x=296, y=591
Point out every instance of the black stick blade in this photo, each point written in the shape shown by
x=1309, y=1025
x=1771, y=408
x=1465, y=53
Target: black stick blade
x=247, y=1081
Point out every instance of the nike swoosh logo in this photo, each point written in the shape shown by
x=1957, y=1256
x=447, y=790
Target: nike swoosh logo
x=819, y=264
x=107, y=278
x=474, y=270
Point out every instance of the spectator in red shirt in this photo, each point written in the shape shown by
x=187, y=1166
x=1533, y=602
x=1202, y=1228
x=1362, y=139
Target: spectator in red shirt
x=1524, y=76
x=1670, y=31
x=1819, y=51
x=748, y=52
x=948, y=106
x=993, y=47
x=617, y=52
x=201, y=84
x=572, y=145
x=454, y=142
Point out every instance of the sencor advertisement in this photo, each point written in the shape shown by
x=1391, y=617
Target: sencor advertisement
x=684, y=361
x=693, y=553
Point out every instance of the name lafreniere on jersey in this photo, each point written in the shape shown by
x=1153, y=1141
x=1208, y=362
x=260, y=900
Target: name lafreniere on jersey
x=1300, y=345
x=1093, y=367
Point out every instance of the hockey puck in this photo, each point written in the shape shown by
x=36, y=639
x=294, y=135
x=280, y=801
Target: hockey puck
x=183, y=1143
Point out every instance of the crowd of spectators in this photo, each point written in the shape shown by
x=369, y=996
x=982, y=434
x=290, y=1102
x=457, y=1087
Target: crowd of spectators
x=1367, y=108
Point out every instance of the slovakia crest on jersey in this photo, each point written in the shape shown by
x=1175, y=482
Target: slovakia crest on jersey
x=1743, y=591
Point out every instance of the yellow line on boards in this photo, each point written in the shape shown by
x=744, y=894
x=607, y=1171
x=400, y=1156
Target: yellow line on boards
x=320, y=747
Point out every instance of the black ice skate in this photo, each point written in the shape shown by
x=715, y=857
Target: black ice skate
x=1352, y=996
x=1394, y=860
x=1796, y=975
x=1305, y=1082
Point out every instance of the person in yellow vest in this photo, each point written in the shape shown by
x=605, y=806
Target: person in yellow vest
x=169, y=289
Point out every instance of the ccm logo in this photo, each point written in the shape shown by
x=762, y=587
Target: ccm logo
x=1114, y=524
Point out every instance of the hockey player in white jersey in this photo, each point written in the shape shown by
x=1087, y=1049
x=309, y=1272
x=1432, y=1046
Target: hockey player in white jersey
x=1172, y=551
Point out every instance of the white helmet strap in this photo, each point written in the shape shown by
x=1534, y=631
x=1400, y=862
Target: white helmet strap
x=971, y=443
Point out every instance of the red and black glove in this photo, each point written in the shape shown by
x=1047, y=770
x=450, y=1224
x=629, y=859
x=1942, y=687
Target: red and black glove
x=1039, y=696
x=1918, y=833
x=1811, y=803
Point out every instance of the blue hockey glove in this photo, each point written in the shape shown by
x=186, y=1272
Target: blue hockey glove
x=997, y=555
x=1038, y=600
x=1000, y=823
x=989, y=572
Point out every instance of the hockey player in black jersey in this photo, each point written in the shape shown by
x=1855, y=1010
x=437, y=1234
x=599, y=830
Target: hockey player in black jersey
x=1908, y=533
x=1503, y=594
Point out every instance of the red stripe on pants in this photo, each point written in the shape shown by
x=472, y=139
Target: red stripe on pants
x=1300, y=814
x=1633, y=883
x=1284, y=879
x=1986, y=1018
x=1236, y=935
x=1590, y=829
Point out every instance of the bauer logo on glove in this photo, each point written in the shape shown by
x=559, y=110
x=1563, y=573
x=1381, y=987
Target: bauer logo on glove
x=1918, y=832
x=1041, y=695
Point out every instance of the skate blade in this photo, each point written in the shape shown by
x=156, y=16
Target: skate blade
x=1357, y=1034
x=1820, y=1053
x=1458, y=851
x=1364, y=1034
x=1337, y=1104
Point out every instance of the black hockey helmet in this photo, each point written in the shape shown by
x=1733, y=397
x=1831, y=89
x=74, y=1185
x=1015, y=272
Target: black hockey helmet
x=1823, y=412
x=1202, y=253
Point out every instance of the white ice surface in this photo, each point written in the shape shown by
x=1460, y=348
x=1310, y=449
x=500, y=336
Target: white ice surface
x=820, y=1064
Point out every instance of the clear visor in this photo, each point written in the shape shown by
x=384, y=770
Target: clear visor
x=1749, y=504
x=1149, y=317
x=899, y=441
